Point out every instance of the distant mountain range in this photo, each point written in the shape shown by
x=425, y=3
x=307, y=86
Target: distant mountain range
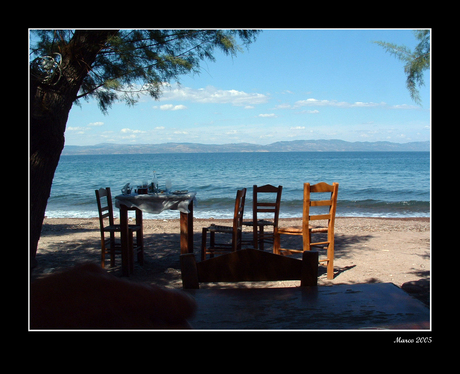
x=286, y=146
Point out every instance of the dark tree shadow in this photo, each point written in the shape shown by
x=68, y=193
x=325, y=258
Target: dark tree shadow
x=162, y=250
x=161, y=254
x=65, y=229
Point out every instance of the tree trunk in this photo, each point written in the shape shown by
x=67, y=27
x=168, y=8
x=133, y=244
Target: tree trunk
x=47, y=128
x=49, y=110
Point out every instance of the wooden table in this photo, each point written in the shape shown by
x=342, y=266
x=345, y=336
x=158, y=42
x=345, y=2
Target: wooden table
x=337, y=307
x=155, y=203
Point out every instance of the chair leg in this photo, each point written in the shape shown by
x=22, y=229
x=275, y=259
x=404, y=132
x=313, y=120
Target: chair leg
x=102, y=253
x=330, y=262
x=140, y=238
x=112, y=249
x=306, y=244
x=276, y=244
x=261, y=238
x=212, y=243
x=131, y=252
x=239, y=240
x=203, y=243
x=140, y=247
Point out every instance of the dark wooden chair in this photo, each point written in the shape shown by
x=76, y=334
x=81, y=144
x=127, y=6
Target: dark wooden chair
x=109, y=245
x=249, y=265
x=306, y=230
x=271, y=207
x=234, y=231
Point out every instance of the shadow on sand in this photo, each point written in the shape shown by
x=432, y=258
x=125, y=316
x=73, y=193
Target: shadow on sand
x=162, y=263
x=161, y=252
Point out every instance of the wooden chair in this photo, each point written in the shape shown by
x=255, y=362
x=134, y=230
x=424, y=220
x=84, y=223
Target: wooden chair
x=306, y=230
x=249, y=265
x=261, y=205
x=234, y=231
x=109, y=245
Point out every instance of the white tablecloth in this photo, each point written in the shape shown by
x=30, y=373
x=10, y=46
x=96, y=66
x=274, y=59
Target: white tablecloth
x=156, y=203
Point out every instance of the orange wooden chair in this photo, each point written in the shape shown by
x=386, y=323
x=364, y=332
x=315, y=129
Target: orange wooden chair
x=271, y=206
x=235, y=231
x=306, y=230
x=109, y=245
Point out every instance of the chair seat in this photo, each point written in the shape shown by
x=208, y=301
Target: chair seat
x=290, y=229
x=217, y=228
x=298, y=229
x=260, y=222
x=318, y=229
x=117, y=228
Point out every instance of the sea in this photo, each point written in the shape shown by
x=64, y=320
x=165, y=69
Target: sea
x=371, y=184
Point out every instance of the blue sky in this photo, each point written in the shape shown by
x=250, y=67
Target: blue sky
x=289, y=85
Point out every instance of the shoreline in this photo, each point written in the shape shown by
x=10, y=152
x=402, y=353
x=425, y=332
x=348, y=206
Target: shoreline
x=339, y=221
x=367, y=250
x=409, y=218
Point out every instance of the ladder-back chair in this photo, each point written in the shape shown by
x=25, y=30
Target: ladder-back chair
x=105, y=209
x=306, y=230
x=260, y=204
x=234, y=231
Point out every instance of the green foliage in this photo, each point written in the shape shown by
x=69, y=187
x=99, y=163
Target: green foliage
x=141, y=61
x=416, y=62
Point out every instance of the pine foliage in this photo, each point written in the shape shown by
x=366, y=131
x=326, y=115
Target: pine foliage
x=132, y=62
x=416, y=61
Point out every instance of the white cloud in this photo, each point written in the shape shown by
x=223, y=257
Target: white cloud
x=344, y=104
x=131, y=134
x=171, y=107
x=77, y=128
x=82, y=130
x=405, y=106
x=367, y=105
x=159, y=128
x=130, y=131
x=283, y=106
x=315, y=102
x=213, y=95
x=297, y=128
x=334, y=103
x=310, y=102
x=270, y=115
x=179, y=107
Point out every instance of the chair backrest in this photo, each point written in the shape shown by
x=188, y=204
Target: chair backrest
x=308, y=202
x=104, y=206
x=239, y=209
x=249, y=265
x=260, y=205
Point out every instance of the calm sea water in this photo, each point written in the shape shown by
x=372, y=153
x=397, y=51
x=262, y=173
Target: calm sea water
x=372, y=184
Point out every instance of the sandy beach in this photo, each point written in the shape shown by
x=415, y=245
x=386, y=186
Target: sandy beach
x=367, y=250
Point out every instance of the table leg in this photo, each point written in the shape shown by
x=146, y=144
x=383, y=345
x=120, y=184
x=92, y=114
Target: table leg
x=125, y=257
x=140, y=238
x=186, y=230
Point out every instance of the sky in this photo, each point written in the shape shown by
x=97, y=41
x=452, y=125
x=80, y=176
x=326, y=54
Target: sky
x=288, y=85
